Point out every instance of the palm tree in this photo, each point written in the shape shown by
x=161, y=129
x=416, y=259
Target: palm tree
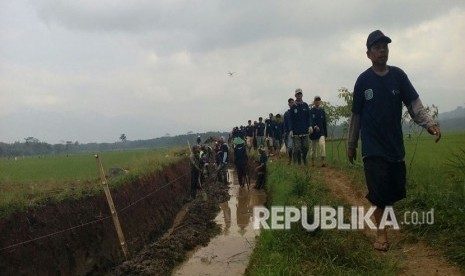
x=123, y=137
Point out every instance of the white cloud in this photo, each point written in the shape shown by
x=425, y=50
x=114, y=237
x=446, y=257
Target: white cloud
x=166, y=62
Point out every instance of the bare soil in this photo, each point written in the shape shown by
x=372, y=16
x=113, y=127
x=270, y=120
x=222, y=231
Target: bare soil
x=414, y=258
x=77, y=236
x=195, y=226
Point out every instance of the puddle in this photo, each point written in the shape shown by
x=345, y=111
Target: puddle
x=228, y=253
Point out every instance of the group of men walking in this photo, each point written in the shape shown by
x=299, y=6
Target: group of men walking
x=300, y=129
x=379, y=95
x=304, y=127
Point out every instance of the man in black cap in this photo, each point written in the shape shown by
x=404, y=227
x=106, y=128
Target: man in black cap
x=379, y=94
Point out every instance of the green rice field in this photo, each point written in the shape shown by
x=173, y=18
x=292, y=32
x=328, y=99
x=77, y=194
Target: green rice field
x=26, y=181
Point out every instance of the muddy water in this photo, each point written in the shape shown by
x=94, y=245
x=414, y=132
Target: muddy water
x=228, y=253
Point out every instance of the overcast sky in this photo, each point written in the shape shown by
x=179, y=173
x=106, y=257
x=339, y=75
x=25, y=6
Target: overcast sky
x=89, y=70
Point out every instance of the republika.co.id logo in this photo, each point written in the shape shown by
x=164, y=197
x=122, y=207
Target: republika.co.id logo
x=327, y=217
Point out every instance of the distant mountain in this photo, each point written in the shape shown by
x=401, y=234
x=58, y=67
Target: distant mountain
x=449, y=121
x=453, y=120
x=459, y=112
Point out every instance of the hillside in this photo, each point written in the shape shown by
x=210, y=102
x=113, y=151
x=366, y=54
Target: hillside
x=449, y=121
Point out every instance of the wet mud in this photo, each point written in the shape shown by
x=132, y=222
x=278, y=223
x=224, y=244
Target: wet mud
x=228, y=253
x=193, y=226
x=165, y=233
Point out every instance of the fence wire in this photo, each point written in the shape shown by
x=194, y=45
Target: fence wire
x=91, y=222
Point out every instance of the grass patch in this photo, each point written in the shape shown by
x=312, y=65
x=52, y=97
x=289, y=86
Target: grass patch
x=29, y=181
x=300, y=252
x=435, y=179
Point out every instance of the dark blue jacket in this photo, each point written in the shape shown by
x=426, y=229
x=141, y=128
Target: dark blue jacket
x=240, y=155
x=260, y=127
x=270, y=126
x=318, y=118
x=249, y=131
x=300, y=118
x=287, y=118
x=278, y=130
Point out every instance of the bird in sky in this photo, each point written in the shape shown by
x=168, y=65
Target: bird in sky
x=231, y=73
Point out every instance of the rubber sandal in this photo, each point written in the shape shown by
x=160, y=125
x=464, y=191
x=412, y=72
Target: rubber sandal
x=381, y=246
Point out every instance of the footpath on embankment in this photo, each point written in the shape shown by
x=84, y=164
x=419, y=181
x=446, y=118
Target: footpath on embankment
x=413, y=258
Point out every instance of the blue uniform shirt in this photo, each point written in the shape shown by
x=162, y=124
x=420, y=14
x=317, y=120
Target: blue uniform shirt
x=378, y=100
x=249, y=130
x=260, y=127
x=270, y=126
x=300, y=118
x=318, y=118
x=287, y=118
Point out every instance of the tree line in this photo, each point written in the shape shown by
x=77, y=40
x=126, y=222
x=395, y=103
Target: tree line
x=32, y=146
x=337, y=117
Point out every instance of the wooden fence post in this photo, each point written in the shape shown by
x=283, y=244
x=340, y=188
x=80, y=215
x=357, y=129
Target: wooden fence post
x=114, y=214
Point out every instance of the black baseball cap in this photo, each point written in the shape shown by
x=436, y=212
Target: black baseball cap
x=377, y=36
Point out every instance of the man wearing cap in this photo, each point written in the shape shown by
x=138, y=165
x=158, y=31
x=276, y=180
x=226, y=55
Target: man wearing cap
x=299, y=125
x=379, y=93
x=319, y=126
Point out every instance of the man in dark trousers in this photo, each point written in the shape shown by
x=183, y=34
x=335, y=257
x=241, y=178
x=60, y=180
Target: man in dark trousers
x=379, y=94
x=300, y=127
x=240, y=160
x=287, y=129
x=278, y=133
x=222, y=159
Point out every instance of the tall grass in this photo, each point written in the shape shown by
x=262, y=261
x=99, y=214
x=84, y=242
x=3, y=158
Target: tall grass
x=435, y=179
x=26, y=182
x=300, y=252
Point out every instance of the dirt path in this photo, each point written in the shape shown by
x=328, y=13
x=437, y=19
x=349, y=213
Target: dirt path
x=413, y=258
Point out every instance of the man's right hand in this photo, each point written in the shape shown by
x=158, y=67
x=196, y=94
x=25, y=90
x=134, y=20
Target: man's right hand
x=291, y=133
x=352, y=154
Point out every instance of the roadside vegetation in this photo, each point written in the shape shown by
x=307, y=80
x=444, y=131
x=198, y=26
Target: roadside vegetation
x=435, y=180
x=301, y=252
x=29, y=181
